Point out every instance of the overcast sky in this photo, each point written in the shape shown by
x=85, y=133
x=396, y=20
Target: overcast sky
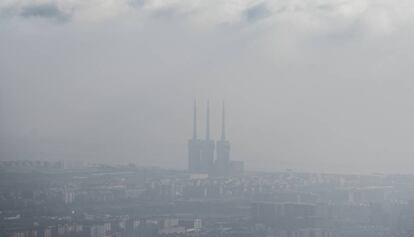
x=317, y=85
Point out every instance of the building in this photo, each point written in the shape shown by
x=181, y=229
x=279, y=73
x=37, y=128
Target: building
x=194, y=147
x=201, y=152
x=223, y=150
x=207, y=148
x=210, y=157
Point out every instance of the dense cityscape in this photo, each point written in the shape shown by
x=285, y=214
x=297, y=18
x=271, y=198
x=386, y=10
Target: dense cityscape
x=46, y=199
x=214, y=197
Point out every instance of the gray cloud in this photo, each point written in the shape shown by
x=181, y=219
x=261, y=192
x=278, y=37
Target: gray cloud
x=257, y=12
x=45, y=10
x=316, y=15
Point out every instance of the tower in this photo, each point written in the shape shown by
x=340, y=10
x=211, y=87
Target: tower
x=222, y=164
x=194, y=146
x=207, y=150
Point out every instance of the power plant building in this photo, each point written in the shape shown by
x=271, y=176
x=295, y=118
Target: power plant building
x=206, y=155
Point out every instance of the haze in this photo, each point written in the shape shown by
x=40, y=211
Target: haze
x=308, y=85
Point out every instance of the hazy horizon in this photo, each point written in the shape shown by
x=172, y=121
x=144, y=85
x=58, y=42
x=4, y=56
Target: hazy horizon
x=323, y=86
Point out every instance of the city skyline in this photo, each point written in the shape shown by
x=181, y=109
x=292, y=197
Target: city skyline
x=192, y=118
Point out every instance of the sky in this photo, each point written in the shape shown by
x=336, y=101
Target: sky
x=312, y=85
